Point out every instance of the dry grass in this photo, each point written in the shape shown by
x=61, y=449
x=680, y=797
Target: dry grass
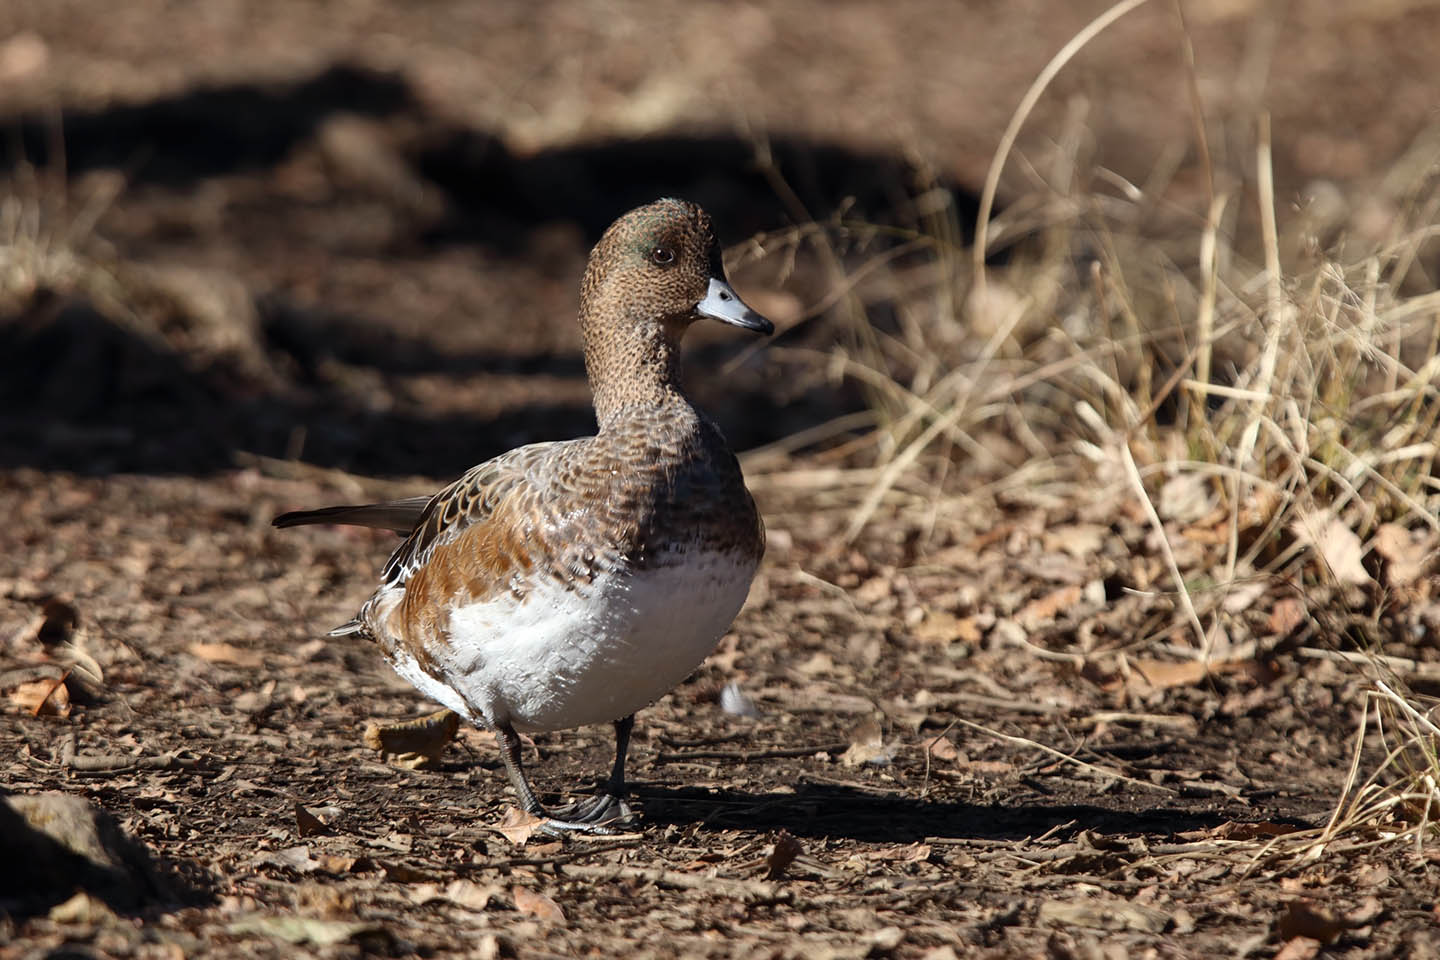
x=1277, y=362
x=45, y=244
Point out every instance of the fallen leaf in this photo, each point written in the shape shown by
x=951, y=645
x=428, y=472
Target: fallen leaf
x=942, y=629
x=399, y=872
x=322, y=933
x=306, y=823
x=291, y=858
x=472, y=895
x=817, y=662
x=1242, y=594
x=517, y=825
x=1305, y=918
x=867, y=745
x=1406, y=555
x=1045, y=609
x=1252, y=831
x=942, y=749
x=997, y=768
x=885, y=939
x=1337, y=545
x=781, y=855
x=48, y=697
x=1374, y=876
x=335, y=864
x=226, y=653
x=1210, y=531
x=873, y=590
x=1103, y=915
x=1287, y=614
x=1261, y=508
x=537, y=905
x=908, y=853
x=1186, y=498
x=945, y=952
x=1080, y=540
x=1367, y=913
x=1165, y=674
x=82, y=909
x=938, y=627
x=1299, y=948
x=424, y=894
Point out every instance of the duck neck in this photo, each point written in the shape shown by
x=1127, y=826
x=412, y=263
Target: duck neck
x=634, y=367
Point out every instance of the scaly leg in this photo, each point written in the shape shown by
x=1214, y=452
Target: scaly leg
x=510, y=755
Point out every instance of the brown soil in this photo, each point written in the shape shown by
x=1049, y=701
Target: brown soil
x=320, y=243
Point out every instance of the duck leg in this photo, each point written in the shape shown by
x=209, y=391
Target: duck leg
x=607, y=806
x=510, y=756
x=591, y=815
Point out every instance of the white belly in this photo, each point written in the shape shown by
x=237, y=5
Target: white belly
x=564, y=658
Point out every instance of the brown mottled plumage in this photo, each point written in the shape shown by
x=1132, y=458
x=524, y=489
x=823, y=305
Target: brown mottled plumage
x=541, y=587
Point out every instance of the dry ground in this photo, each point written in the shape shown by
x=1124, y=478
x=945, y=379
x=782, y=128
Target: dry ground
x=299, y=247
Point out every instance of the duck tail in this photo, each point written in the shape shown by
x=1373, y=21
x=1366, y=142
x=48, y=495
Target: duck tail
x=351, y=628
x=401, y=516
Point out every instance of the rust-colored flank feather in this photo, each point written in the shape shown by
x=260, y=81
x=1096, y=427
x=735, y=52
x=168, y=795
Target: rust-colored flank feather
x=575, y=582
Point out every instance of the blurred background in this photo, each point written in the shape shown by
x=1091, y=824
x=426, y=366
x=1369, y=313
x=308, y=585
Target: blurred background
x=351, y=232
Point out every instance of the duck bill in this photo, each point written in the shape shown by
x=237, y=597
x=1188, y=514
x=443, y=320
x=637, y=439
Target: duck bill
x=722, y=303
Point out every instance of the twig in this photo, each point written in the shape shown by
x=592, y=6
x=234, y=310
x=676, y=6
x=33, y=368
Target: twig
x=1415, y=715
x=1066, y=758
x=45, y=671
x=704, y=742
x=929, y=745
x=1397, y=664
x=105, y=764
x=1186, y=604
x=1182, y=721
x=952, y=698
x=750, y=891
x=561, y=859
x=1017, y=120
x=350, y=484
x=745, y=756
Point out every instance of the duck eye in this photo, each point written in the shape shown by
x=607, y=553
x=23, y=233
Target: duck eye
x=663, y=256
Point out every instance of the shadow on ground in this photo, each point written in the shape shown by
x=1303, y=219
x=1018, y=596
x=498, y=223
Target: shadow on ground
x=101, y=385
x=838, y=811
x=68, y=844
x=83, y=393
x=495, y=195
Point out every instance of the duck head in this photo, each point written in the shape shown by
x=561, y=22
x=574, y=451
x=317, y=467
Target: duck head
x=655, y=271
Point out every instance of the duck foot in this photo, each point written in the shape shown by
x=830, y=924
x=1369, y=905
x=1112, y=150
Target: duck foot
x=602, y=813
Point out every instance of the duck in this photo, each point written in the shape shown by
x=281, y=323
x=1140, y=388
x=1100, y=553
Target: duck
x=575, y=582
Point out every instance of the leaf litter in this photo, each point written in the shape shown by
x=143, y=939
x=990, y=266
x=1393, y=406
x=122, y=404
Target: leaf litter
x=976, y=725
x=925, y=823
